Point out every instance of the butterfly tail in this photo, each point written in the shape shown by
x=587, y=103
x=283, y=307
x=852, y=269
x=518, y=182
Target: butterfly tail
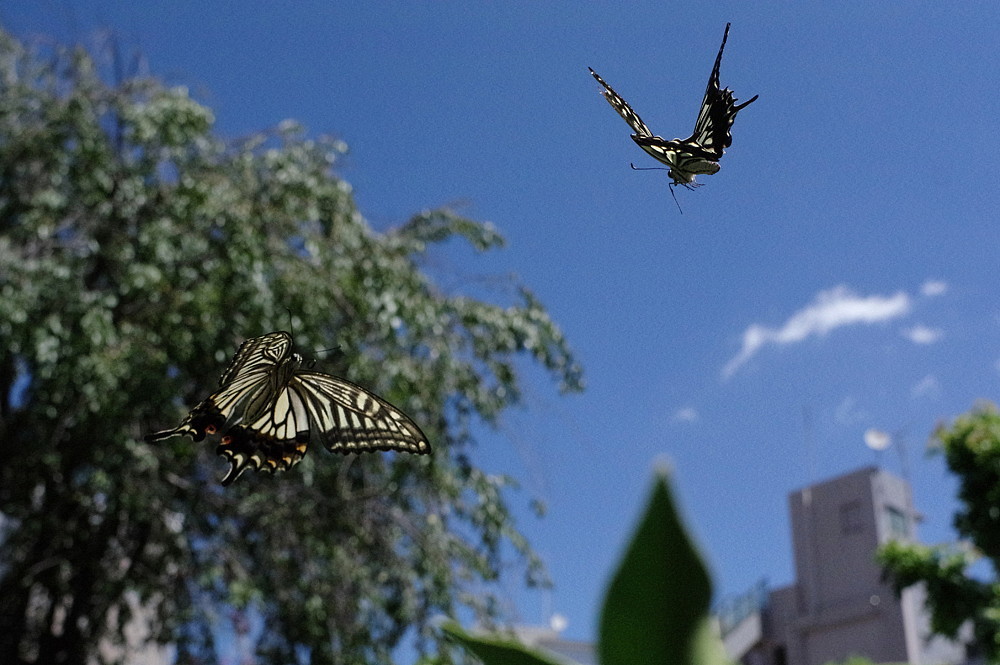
x=736, y=109
x=205, y=419
x=245, y=449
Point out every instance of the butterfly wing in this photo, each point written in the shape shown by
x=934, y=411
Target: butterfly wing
x=246, y=387
x=257, y=356
x=347, y=418
x=275, y=441
x=623, y=109
x=712, y=131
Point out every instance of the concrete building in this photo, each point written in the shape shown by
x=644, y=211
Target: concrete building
x=839, y=606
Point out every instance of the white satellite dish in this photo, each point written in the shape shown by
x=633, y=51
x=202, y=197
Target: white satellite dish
x=877, y=439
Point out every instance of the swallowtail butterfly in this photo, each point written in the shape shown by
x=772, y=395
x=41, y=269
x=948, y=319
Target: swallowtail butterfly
x=269, y=409
x=700, y=152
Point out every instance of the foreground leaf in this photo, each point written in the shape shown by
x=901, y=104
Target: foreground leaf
x=497, y=649
x=659, y=597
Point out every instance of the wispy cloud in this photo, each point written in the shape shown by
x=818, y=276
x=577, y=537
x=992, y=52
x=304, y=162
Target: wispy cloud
x=686, y=414
x=926, y=387
x=848, y=412
x=933, y=287
x=919, y=334
x=830, y=309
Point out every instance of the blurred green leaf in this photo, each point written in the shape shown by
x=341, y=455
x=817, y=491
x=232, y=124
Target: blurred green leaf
x=498, y=650
x=659, y=597
x=707, y=647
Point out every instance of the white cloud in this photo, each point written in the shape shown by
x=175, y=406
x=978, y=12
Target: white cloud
x=687, y=414
x=926, y=387
x=920, y=334
x=933, y=287
x=830, y=309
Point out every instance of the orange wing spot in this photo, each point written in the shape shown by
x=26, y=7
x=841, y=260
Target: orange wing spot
x=301, y=448
x=210, y=429
x=226, y=440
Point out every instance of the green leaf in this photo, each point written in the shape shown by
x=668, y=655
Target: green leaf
x=706, y=645
x=498, y=650
x=657, y=603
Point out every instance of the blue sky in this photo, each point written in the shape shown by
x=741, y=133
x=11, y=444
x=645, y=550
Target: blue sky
x=839, y=273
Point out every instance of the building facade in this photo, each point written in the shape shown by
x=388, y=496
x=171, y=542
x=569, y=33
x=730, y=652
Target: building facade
x=839, y=605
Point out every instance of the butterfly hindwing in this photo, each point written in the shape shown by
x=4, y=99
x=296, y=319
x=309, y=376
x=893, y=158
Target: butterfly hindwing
x=681, y=156
x=268, y=410
x=712, y=130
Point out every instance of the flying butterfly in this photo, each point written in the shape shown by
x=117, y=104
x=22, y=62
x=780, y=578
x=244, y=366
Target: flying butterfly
x=700, y=152
x=269, y=409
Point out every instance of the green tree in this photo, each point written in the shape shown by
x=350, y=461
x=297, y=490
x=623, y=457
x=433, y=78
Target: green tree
x=971, y=446
x=136, y=251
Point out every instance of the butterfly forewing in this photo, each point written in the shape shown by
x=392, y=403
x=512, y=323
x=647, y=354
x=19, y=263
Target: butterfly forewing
x=348, y=418
x=622, y=107
x=257, y=356
x=268, y=410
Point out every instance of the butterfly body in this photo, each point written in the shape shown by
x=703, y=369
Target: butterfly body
x=268, y=409
x=698, y=154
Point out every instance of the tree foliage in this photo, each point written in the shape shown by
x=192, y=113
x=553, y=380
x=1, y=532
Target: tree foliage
x=137, y=250
x=971, y=446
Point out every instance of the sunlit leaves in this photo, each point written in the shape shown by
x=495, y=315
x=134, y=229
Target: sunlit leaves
x=957, y=596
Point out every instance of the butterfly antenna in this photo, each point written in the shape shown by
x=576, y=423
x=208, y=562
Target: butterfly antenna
x=673, y=194
x=648, y=168
x=660, y=168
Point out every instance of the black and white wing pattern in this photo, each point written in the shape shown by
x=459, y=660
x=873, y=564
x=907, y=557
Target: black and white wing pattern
x=699, y=153
x=712, y=131
x=624, y=110
x=268, y=410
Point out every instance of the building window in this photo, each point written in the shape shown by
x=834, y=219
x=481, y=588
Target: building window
x=850, y=518
x=898, y=527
